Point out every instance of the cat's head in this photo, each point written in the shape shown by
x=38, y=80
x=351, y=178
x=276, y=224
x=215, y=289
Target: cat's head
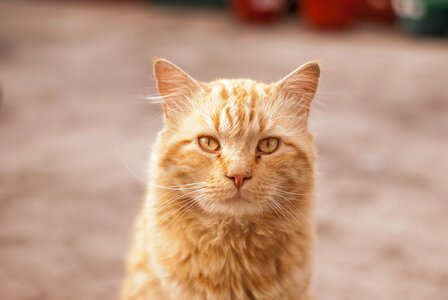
x=236, y=147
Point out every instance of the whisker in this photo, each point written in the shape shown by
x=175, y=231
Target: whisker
x=170, y=201
x=276, y=212
x=285, y=210
x=179, y=186
x=128, y=168
x=177, y=213
x=289, y=212
x=291, y=193
x=165, y=218
x=279, y=207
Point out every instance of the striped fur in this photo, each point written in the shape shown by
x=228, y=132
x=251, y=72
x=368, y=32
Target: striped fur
x=193, y=240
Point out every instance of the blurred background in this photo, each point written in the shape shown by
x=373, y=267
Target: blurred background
x=76, y=131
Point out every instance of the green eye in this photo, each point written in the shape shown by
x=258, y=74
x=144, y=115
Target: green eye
x=208, y=143
x=268, y=145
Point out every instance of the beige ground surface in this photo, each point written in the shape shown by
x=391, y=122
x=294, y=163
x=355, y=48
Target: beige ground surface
x=75, y=133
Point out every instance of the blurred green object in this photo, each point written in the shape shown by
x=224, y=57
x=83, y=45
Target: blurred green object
x=209, y=3
x=423, y=17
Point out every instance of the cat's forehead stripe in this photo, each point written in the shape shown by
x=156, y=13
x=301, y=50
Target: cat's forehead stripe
x=228, y=115
x=253, y=103
x=237, y=106
x=242, y=96
x=247, y=99
x=224, y=94
x=216, y=122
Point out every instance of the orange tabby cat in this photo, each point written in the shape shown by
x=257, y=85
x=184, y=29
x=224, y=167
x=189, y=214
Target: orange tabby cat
x=229, y=208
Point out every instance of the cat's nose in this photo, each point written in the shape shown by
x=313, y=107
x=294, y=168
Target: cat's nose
x=239, y=178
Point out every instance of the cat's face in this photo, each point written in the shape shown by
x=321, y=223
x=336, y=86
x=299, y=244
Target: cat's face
x=237, y=146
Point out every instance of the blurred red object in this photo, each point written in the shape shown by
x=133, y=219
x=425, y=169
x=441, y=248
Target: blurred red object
x=259, y=10
x=328, y=13
x=376, y=9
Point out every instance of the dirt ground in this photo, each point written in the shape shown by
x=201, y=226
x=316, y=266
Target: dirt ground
x=75, y=133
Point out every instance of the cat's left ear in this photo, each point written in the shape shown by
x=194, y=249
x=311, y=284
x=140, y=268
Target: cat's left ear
x=175, y=86
x=300, y=86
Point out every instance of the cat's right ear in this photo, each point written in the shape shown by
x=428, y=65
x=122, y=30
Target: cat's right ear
x=175, y=86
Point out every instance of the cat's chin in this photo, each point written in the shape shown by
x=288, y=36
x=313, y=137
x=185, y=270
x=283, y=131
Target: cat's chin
x=235, y=205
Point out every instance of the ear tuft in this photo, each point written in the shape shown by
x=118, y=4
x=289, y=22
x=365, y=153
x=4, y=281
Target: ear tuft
x=312, y=67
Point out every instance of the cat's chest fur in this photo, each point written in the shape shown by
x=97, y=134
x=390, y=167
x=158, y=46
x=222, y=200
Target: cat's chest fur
x=231, y=259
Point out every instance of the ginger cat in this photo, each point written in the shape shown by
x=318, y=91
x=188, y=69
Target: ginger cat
x=228, y=213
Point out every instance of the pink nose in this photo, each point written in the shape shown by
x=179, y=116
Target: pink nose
x=239, y=178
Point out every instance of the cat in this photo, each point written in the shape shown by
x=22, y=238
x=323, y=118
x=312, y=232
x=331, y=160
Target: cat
x=228, y=213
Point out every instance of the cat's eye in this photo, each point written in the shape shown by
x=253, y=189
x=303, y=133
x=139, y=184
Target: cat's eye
x=268, y=145
x=208, y=143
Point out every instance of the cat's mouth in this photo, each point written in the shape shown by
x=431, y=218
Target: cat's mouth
x=236, y=198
